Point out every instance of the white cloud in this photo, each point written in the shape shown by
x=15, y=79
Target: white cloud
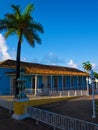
x=3, y=49
x=50, y=59
x=93, y=65
x=53, y=59
x=72, y=64
x=12, y=53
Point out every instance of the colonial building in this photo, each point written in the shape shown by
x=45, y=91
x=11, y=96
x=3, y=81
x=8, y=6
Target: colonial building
x=41, y=77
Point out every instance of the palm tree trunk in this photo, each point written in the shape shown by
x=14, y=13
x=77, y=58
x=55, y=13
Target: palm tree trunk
x=18, y=64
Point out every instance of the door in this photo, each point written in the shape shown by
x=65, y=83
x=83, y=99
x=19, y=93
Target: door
x=33, y=83
x=45, y=82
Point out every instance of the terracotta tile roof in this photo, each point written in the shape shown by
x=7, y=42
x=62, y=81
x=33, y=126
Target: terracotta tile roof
x=34, y=68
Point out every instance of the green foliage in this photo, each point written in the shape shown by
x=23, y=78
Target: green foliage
x=22, y=23
x=87, y=66
x=96, y=75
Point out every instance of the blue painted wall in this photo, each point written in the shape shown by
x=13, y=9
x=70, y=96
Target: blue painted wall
x=68, y=85
x=60, y=83
x=28, y=81
x=75, y=82
x=40, y=83
x=84, y=82
x=4, y=81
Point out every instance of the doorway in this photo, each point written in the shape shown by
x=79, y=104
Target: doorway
x=33, y=83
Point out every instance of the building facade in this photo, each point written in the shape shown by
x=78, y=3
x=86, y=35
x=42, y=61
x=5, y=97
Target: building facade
x=41, y=78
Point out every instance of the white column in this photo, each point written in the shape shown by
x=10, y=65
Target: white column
x=93, y=99
x=68, y=93
x=75, y=93
x=35, y=85
x=92, y=77
x=96, y=83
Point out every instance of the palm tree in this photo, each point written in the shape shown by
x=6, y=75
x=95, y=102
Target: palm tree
x=87, y=66
x=23, y=25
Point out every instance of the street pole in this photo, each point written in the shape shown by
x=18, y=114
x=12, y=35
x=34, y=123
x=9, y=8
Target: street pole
x=93, y=100
x=93, y=94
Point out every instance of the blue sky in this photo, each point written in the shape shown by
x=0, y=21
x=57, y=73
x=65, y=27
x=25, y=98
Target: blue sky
x=70, y=37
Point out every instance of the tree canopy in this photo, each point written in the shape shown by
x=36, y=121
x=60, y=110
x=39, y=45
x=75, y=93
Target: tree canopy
x=22, y=23
x=87, y=66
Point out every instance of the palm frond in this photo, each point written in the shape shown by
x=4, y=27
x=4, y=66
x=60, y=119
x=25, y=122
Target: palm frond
x=37, y=26
x=36, y=37
x=28, y=9
x=29, y=37
x=9, y=32
x=2, y=25
x=6, y=24
x=16, y=9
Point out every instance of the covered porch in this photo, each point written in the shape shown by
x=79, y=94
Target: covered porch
x=53, y=85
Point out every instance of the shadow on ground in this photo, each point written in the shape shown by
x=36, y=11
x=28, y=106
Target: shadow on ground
x=80, y=108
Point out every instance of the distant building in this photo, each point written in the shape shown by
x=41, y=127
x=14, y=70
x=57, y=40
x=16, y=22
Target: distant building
x=41, y=77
